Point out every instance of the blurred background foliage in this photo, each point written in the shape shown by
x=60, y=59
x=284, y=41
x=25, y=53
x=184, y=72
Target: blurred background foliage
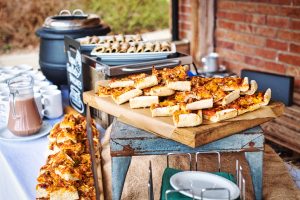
x=19, y=19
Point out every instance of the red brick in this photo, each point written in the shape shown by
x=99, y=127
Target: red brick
x=226, y=25
x=236, y=5
x=246, y=28
x=268, y=9
x=234, y=16
x=256, y=19
x=293, y=71
x=296, y=2
x=266, y=31
x=281, y=22
x=275, y=67
x=244, y=49
x=225, y=44
x=239, y=37
x=281, y=2
x=254, y=61
x=231, y=55
x=292, y=11
x=276, y=45
x=266, y=53
x=295, y=24
x=289, y=59
x=288, y=35
x=295, y=48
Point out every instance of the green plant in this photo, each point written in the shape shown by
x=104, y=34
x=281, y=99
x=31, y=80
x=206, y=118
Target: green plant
x=132, y=16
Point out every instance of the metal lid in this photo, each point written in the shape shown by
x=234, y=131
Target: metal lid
x=70, y=21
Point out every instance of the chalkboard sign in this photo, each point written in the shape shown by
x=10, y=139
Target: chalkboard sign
x=75, y=74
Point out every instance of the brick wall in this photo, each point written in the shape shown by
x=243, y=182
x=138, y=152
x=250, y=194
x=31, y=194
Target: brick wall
x=255, y=34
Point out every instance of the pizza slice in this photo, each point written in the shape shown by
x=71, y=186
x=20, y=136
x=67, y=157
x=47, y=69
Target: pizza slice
x=159, y=90
x=187, y=118
x=143, y=101
x=170, y=74
x=164, y=108
x=252, y=89
x=145, y=82
x=104, y=91
x=195, y=100
x=124, y=94
x=252, y=102
x=232, y=83
x=179, y=85
x=219, y=113
x=126, y=81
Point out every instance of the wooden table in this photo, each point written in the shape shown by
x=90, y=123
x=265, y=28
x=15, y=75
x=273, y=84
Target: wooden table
x=127, y=141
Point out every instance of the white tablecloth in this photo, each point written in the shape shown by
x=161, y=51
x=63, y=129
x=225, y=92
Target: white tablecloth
x=20, y=163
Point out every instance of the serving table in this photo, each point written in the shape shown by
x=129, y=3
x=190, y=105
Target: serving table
x=127, y=141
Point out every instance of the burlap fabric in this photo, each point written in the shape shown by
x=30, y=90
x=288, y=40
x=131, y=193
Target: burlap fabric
x=277, y=182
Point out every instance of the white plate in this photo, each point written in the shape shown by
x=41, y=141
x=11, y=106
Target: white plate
x=6, y=135
x=196, y=181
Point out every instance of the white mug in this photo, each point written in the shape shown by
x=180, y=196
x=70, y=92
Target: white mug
x=48, y=87
x=52, y=101
x=38, y=102
x=38, y=84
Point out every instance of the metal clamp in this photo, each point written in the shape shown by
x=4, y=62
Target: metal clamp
x=209, y=152
x=78, y=12
x=240, y=181
x=188, y=154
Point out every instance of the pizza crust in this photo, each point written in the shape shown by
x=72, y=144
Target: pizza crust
x=161, y=91
x=164, y=111
x=267, y=97
x=230, y=97
x=146, y=82
x=143, y=101
x=179, y=85
x=201, y=104
x=222, y=115
x=127, y=95
x=188, y=119
x=252, y=89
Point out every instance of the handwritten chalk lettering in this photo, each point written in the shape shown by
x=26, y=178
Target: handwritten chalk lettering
x=75, y=81
x=74, y=64
x=75, y=98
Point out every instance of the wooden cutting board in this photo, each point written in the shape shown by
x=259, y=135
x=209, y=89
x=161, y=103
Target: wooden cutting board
x=193, y=137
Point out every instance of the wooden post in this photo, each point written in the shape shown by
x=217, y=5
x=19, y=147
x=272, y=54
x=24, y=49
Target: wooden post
x=203, y=22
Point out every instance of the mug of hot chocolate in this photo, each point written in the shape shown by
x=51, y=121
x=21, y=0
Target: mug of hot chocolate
x=24, y=118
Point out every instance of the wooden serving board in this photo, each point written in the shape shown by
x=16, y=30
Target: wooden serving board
x=194, y=136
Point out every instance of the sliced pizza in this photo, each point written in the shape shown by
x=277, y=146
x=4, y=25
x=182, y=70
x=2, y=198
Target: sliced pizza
x=232, y=83
x=252, y=89
x=170, y=74
x=159, y=90
x=143, y=101
x=104, y=91
x=145, y=82
x=195, y=100
x=124, y=94
x=164, y=108
x=186, y=118
x=252, y=102
x=219, y=113
x=179, y=85
x=126, y=81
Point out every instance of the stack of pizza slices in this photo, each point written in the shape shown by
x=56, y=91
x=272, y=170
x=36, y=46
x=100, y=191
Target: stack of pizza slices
x=170, y=92
x=67, y=173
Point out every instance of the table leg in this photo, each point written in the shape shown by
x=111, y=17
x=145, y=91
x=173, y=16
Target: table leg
x=255, y=161
x=119, y=169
